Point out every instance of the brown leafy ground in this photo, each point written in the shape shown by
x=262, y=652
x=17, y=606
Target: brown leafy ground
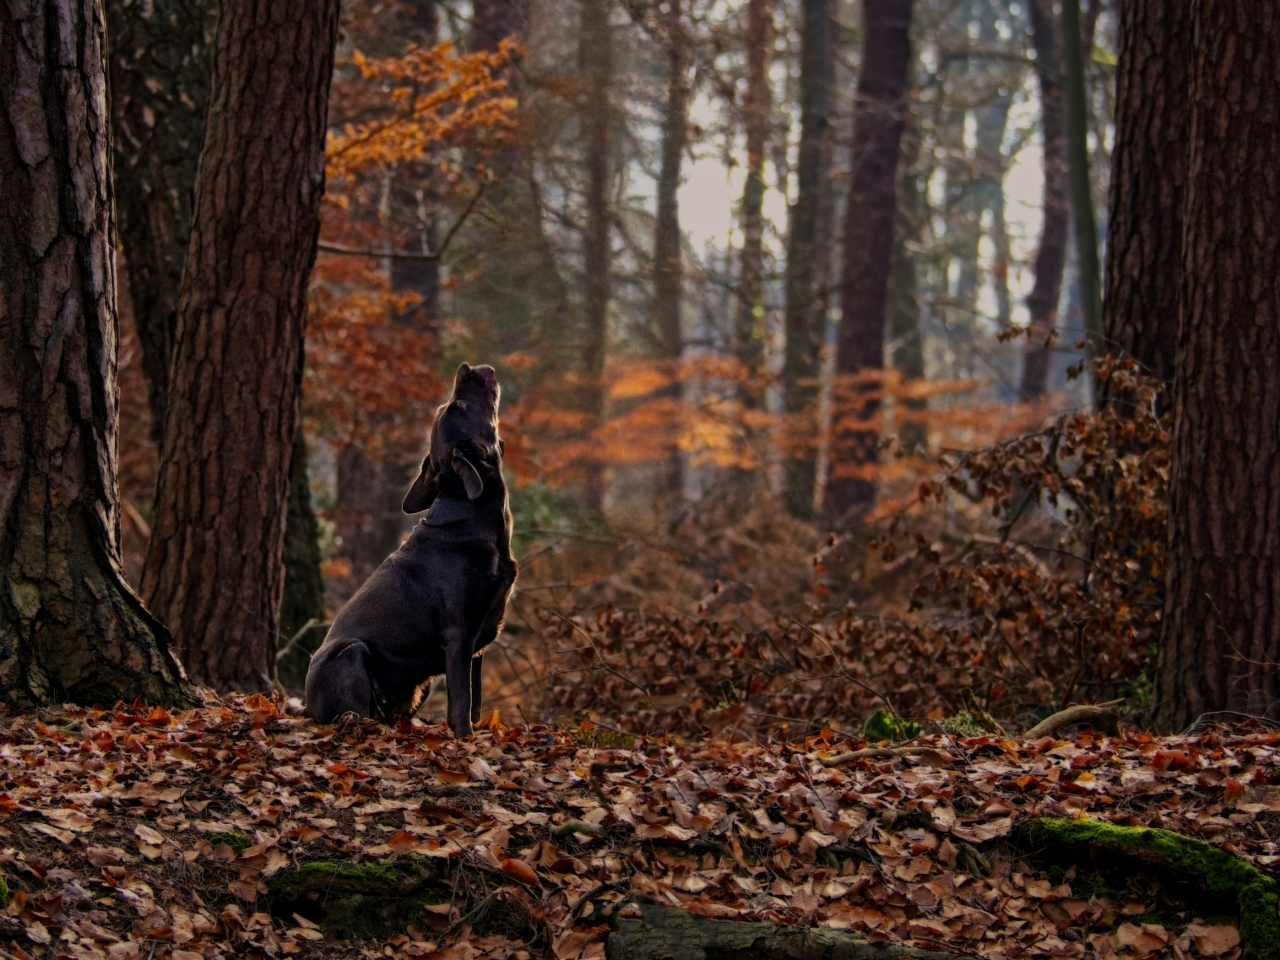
x=110, y=821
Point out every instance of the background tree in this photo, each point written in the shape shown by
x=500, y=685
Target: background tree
x=70, y=626
x=160, y=72
x=214, y=570
x=804, y=314
x=1074, y=55
x=1148, y=180
x=879, y=118
x=1051, y=257
x=1220, y=636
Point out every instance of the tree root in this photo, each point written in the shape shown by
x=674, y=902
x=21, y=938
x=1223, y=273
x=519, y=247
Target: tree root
x=1101, y=714
x=665, y=933
x=1255, y=894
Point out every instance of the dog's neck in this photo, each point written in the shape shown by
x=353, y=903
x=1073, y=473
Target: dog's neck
x=456, y=518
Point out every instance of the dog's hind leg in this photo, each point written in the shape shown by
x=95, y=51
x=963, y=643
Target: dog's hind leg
x=476, y=662
x=458, y=654
x=341, y=683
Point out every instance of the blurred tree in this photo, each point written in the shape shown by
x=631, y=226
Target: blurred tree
x=213, y=569
x=596, y=69
x=879, y=118
x=303, y=600
x=905, y=334
x=805, y=315
x=1220, y=635
x=1051, y=258
x=1082, y=210
x=70, y=626
x=1148, y=179
x=159, y=67
x=668, y=246
x=756, y=116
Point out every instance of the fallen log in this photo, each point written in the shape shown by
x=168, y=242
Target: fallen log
x=665, y=933
x=1221, y=874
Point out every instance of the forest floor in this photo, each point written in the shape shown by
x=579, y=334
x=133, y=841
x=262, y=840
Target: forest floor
x=239, y=830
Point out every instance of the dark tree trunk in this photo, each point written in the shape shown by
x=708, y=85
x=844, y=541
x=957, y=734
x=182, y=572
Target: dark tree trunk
x=495, y=20
x=70, y=626
x=303, y=584
x=668, y=268
x=159, y=67
x=1082, y=211
x=1148, y=178
x=214, y=570
x=750, y=331
x=879, y=116
x=595, y=63
x=1220, y=637
x=805, y=315
x=1051, y=258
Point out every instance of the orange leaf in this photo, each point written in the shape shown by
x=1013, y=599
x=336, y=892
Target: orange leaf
x=519, y=870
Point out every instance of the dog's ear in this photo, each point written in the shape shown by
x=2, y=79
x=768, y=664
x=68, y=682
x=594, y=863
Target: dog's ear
x=423, y=491
x=468, y=474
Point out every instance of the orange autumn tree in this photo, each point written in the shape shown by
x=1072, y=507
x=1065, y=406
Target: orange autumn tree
x=418, y=125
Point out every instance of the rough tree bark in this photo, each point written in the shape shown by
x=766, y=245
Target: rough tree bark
x=213, y=569
x=595, y=63
x=1148, y=180
x=1220, y=636
x=1051, y=258
x=668, y=267
x=879, y=117
x=70, y=626
x=1082, y=211
x=756, y=115
x=805, y=314
x=160, y=71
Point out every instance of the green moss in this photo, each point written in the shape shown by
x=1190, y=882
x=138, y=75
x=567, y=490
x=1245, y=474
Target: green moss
x=1255, y=894
x=4, y=893
x=236, y=841
x=883, y=725
x=963, y=724
x=355, y=901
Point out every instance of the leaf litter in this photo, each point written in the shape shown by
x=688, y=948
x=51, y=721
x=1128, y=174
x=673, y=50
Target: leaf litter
x=136, y=834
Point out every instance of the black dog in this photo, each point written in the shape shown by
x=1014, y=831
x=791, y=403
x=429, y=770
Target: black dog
x=440, y=599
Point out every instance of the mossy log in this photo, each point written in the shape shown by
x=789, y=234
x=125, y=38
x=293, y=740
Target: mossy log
x=665, y=933
x=1223, y=875
x=356, y=901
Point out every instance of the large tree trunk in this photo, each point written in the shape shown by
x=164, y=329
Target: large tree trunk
x=904, y=301
x=159, y=66
x=1221, y=630
x=1148, y=177
x=70, y=626
x=879, y=116
x=213, y=570
x=1051, y=258
x=1082, y=211
x=805, y=313
x=750, y=330
x=668, y=267
x=595, y=63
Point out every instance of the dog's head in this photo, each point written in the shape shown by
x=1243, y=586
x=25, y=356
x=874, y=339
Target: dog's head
x=464, y=434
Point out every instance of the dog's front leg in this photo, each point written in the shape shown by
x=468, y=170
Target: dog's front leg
x=457, y=677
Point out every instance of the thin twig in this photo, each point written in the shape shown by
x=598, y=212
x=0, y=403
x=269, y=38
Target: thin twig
x=405, y=254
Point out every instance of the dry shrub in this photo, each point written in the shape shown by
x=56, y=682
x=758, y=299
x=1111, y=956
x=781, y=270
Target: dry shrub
x=1055, y=597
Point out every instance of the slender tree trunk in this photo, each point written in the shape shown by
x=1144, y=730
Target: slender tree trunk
x=495, y=20
x=303, y=583
x=1148, y=180
x=992, y=120
x=879, y=117
x=70, y=626
x=1082, y=211
x=1051, y=258
x=214, y=570
x=1220, y=637
x=668, y=271
x=595, y=63
x=805, y=319
x=750, y=332
x=904, y=302
x=160, y=70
